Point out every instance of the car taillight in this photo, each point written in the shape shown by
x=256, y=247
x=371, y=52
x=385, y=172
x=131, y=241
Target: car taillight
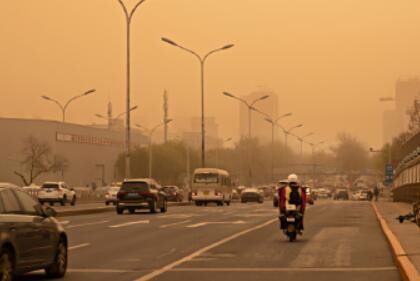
x=120, y=194
x=218, y=194
x=194, y=193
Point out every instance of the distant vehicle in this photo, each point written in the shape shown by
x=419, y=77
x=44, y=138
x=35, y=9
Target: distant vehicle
x=364, y=195
x=322, y=193
x=211, y=185
x=173, y=193
x=252, y=195
x=59, y=192
x=281, y=184
x=235, y=195
x=309, y=195
x=111, y=194
x=341, y=194
x=141, y=194
x=31, y=239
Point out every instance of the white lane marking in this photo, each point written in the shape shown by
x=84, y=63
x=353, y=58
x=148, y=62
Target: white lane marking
x=64, y=222
x=173, y=224
x=200, y=224
x=170, y=266
x=175, y=216
x=129, y=223
x=285, y=269
x=79, y=246
x=86, y=224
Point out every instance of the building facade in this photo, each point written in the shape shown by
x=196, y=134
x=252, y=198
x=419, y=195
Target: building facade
x=91, y=152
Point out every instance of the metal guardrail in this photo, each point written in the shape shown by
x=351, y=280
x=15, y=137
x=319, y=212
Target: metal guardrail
x=84, y=195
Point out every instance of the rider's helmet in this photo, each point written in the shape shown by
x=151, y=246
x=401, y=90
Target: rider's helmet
x=293, y=178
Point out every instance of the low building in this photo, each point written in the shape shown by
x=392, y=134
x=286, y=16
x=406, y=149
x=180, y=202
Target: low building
x=91, y=152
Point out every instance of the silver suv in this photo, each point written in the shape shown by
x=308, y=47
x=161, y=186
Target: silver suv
x=56, y=192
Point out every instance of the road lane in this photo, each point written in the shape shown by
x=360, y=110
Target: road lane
x=340, y=238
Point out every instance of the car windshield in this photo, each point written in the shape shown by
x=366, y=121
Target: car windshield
x=206, y=178
x=135, y=186
x=50, y=185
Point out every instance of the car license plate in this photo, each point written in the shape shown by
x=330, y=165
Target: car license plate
x=291, y=219
x=131, y=195
x=206, y=192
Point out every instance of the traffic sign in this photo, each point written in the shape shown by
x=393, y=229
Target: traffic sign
x=389, y=174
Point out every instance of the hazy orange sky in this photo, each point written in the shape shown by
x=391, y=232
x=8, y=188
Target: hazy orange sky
x=328, y=61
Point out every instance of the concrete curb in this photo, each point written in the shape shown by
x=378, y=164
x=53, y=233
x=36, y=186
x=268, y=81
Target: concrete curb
x=406, y=267
x=97, y=210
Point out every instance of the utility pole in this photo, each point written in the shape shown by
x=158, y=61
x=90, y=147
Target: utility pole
x=165, y=115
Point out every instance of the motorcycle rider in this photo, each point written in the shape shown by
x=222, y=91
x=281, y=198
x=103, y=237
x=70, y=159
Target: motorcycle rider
x=293, y=193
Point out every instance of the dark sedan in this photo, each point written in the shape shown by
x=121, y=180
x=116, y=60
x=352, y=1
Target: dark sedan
x=30, y=238
x=252, y=195
x=141, y=194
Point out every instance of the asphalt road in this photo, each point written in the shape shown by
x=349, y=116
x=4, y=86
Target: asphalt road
x=342, y=241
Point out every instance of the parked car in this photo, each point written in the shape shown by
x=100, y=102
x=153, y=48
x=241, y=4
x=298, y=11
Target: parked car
x=341, y=194
x=173, y=193
x=31, y=239
x=281, y=184
x=59, y=192
x=111, y=194
x=141, y=194
x=364, y=195
x=252, y=195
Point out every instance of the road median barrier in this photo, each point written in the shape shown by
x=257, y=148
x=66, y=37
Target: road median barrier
x=103, y=209
x=406, y=267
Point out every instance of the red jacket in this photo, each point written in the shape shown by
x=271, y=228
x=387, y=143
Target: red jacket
x=282, y=199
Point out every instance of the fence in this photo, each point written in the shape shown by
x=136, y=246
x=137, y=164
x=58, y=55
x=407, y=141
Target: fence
x=82, y=193
x=407, y=174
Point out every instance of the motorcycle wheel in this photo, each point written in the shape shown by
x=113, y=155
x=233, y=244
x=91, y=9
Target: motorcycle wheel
x=292, y=236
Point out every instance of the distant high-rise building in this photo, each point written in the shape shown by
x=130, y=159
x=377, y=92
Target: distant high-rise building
x=193, y=135
x=259, y=127
x=395, y=121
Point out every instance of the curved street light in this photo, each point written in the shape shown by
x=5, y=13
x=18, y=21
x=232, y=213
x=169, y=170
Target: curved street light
x=64, y=106
x=301, y=139
x=250, y=107
x=151, y=132
x=128, y=19
x=287, y=132
x=111, y=119
x=202, y=60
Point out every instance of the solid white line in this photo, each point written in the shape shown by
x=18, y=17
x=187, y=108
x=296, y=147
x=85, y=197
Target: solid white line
x=86, y=224
x=173, y=224
x=64, y=222
x=170, y=266
x=129, y=223
x=79, y=246
x=285, y=269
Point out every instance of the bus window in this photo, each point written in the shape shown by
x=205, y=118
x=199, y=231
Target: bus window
x=206, y=178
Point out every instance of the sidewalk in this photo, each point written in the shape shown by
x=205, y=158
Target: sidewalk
x=407, y=233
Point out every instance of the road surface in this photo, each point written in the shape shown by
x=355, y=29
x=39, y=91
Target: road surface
x=342, y=241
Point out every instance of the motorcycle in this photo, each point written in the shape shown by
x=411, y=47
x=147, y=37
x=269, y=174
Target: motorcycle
x=291, y=222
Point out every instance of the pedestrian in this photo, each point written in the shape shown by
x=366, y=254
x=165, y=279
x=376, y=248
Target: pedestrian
x=376, y=192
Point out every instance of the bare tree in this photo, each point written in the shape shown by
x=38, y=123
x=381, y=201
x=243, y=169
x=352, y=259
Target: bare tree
x=414, y=115
x=38, y=159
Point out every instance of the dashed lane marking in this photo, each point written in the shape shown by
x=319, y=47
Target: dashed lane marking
x=172, y=265
x=200, y=224
x=79, y=246
x=86, y=224
x=129, y=223
x=174, y=224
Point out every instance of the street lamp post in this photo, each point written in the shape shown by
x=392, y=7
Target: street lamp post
x=301, y=139
x=202, y=60
x=151, y=132
x=250, y=107
x=128, y=18
x=287, y=132
x=112, y=119
x=273, y=122
x=313, y=145
x=63, y=107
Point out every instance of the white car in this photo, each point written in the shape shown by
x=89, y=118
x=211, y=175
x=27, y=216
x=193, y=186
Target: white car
x=111, y=194
x=57, y=192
